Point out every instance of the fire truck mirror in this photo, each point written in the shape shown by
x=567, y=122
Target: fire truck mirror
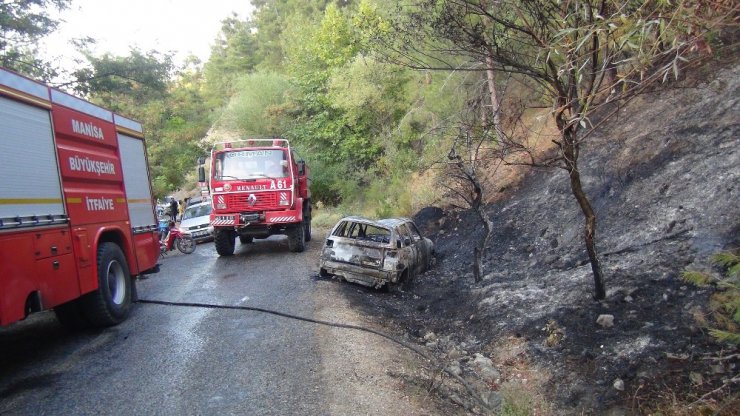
x=301, y=167
x=201, y=174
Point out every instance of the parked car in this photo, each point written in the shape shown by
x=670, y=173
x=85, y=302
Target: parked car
x=375, y=253
x=195, y=200
x=196, y=220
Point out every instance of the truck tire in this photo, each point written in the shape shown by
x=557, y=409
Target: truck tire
x=246, y=239
x=307, y=231
x=297, y=238
x=225, y=240
x=110, y=304
x=307, y=220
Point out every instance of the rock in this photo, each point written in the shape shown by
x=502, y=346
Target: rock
x=618, y=384
x=454, y=354
x=492, y=399
x=628, y=299
x=484, y=366
x=455, y=369
x=606, y=321
x=665, y=296
x=430, y=336
x=696, y=378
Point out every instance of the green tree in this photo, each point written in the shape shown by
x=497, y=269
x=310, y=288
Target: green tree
x=258, y=107
x=272, y=17
x=124, y=82
x=172, y=110
x=22, y=24
x=233, y=54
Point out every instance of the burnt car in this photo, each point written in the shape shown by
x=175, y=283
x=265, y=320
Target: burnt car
x=375, y=252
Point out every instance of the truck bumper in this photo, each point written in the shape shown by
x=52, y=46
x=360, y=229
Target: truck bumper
x=269, y=218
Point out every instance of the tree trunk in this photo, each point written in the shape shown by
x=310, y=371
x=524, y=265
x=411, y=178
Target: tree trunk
x=480, y=248
x=495, y=108
x=570, y=153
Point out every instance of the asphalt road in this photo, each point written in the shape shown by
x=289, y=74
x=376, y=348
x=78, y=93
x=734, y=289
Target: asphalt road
x=178, y=360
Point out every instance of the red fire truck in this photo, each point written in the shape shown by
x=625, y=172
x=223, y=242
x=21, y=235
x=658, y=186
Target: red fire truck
x=259, y=187
x=76, y=212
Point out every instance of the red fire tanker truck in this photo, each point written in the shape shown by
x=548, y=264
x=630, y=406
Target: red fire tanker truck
x=76, y=213
x=259, y=187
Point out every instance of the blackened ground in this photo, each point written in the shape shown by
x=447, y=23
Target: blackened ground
x=663, y=177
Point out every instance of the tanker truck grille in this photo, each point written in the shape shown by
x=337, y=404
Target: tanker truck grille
x=241, y=202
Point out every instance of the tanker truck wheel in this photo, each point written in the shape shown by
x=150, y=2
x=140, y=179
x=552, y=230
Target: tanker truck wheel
x=307, y=221
x=297, y=238
x=225, y=241
x=307, y=227
x=111, y=303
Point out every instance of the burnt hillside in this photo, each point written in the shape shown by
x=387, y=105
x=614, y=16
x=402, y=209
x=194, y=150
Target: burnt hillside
x=663, y=176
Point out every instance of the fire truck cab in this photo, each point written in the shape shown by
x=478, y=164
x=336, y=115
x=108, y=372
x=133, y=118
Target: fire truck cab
x=259, y=187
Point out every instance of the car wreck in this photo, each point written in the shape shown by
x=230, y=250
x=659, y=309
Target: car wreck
x=375, y=253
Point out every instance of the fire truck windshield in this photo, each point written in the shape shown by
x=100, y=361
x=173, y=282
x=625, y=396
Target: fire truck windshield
x=251, y=164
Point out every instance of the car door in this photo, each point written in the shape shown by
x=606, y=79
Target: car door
x=409, y=249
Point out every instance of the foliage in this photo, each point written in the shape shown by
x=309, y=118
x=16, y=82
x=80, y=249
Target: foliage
x=22, y=24
x=118, y=82
x=232, y=55
x=728, y=260
x=258, y=105
x=172, y=112
x=725, y=303
x=697, y=278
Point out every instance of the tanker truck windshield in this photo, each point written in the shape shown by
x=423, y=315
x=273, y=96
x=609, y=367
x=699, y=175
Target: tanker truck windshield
x=251, y=164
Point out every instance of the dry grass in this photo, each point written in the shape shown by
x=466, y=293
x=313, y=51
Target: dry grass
x=522, y=382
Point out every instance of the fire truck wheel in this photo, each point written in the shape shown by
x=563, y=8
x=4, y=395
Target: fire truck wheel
x=297, y=239
x=246, y=239
x=225, y=240
x=111, y=303
x=307, y=232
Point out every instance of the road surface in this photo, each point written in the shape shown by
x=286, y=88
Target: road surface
x=175, y=360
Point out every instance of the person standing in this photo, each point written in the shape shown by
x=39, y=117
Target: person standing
x=173, y=209
x=181, y=210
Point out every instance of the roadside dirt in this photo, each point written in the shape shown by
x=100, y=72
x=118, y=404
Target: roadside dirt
x=354, y=360
x=663, y=176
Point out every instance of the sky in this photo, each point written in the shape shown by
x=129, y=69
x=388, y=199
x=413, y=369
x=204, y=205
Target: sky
x=182, y=26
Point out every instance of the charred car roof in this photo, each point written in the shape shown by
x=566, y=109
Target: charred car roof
x=384, y=223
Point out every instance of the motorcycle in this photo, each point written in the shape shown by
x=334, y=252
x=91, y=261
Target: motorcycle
x=177, y=238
